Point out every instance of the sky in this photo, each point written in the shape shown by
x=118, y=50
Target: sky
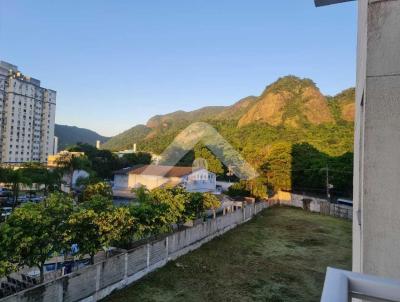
x=114, y=64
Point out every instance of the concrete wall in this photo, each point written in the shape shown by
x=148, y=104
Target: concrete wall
x=121, y=181
x=149, y=181
x=376, y=236
x=97, y=281
x=317, y=205
x=359, y=131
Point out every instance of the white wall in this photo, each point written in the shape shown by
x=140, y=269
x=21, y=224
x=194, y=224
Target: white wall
x=149, y=181
x=376, y=235
x=121, y=181
x=200, y=181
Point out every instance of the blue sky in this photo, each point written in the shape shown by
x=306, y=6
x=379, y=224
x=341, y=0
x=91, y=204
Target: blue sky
x=116, y=63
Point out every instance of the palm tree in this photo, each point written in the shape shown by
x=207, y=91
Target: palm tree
x=40, y=175
x=51, y=180
x=34, y=171
x=142, y=194
x=15, y=178
x=68, y=163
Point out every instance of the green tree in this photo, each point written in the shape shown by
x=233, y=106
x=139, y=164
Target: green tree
x=280, y=166
x=257, y=187
x=15, y=178
x=57, y=207
x=210, y=202
x=97, y=203
x=142, y=194
x=51, y=181
x=104, y=162
x=116, y=227
x=151, y=219
x=138, y=158
x=238, y=189
x=99, y=188
x=214, y=165
x=309, y=170
x=68, y=163
x=83, y=230
x=34, y=231
x=195, y=206
x=198, y=203
x=176, y=198
x=6, y=266
x=40, y=175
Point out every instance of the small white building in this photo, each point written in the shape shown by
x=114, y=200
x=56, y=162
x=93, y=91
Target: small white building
x=120, y=154
x=154, y=176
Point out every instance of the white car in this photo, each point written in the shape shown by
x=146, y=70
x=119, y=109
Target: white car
x=23, y=199
x=36, y=199
x=5, y=212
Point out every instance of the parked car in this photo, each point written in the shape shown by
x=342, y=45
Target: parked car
x=8, y=202
x=346, y=202
x=5, y=192
x=23, y=199
x=36, y=199
x=5, y=212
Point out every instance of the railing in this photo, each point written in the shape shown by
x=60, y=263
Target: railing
x=341, y=286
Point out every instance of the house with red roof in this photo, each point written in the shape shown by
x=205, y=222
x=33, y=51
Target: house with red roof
x=155, y=176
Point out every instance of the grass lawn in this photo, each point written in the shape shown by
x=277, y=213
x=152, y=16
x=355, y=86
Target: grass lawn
x=280, y=255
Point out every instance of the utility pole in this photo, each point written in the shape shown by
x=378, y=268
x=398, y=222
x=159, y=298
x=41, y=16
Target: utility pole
x=230, y=173
x=328, y=185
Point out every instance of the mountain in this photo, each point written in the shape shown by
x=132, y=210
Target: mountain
x=126, y=139
x=235, y=111
x=165, y=121
x=289, y=101
x=170, y=120
x=70, y=135
x=168, y=124
x=291, y=109
x=345, y=102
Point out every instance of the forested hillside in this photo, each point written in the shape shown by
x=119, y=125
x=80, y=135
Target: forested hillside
x=71, y=135
x=291, y=133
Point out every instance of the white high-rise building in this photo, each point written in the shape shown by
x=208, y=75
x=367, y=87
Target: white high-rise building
x=27, y=117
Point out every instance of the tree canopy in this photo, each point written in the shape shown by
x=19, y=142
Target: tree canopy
x=36, y=231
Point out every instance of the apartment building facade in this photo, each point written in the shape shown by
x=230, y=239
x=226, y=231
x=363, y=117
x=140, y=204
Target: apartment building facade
x=27, y=117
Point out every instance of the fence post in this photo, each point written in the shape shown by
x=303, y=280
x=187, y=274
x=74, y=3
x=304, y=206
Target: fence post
x=126, y=265
x=148, y=255
x=98, y=275
x=166, y=248
x=60, y=291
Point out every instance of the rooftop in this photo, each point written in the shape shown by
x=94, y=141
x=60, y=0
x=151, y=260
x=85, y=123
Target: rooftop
x=157, y=170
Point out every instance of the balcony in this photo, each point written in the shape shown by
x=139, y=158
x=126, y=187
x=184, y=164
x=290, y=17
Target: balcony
x=341, y=286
